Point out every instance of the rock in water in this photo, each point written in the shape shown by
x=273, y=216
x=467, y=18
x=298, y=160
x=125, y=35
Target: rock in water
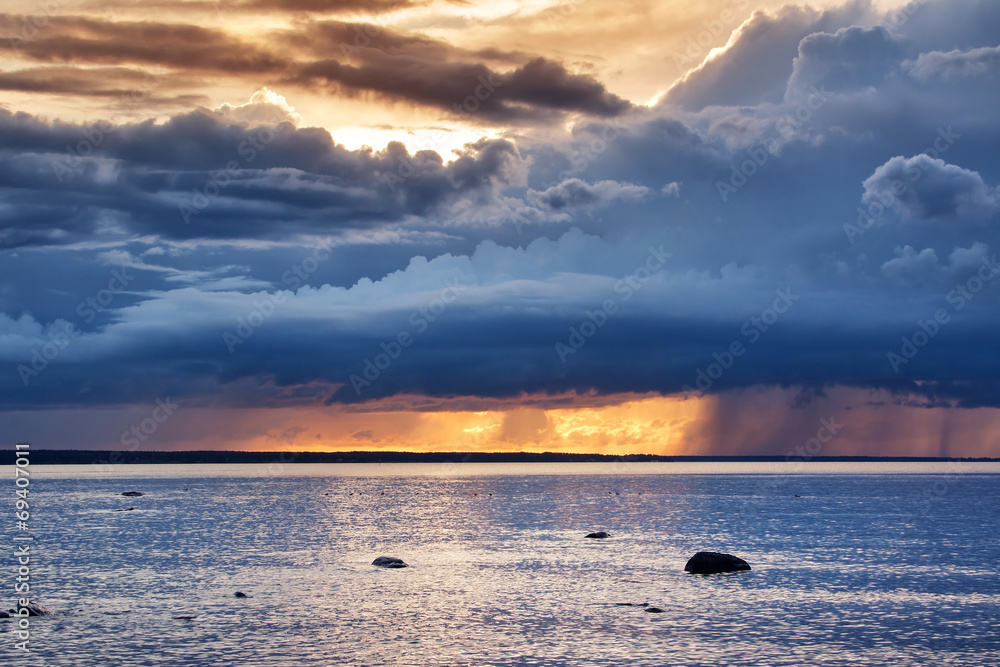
x=240, y=594
x=597, y=536
x=133, y=494
x=653, y=610
x=35, y=609
x=713, y=562
x=388, y=562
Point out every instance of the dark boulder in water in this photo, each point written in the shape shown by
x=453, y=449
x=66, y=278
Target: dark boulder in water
x=388, y=562
x=240, y=594
x=653, y=610
x=133, y=494
x=4, y=614
x=600, y=535
x=713, y=562
x=33, y=608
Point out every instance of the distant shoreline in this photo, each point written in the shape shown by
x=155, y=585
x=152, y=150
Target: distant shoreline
x=86, y=457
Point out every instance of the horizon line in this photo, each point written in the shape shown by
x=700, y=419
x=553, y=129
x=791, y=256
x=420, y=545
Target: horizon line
x=73, y=456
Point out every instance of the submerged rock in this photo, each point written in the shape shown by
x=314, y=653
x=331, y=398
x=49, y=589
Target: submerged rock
x=600, y=535
x=133, y=494
x=240, y=594
x=130, y=509
x=653, y=610
x=4, y=614
x=389, y=562
x=631, y=604
x=713, y=562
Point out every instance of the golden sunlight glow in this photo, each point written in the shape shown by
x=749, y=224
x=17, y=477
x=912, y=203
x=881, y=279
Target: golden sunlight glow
x=653, y=425
x=482, y=12
x=444, y=140
x=753, y=421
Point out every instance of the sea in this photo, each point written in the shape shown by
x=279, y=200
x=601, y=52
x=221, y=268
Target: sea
x=852, y=564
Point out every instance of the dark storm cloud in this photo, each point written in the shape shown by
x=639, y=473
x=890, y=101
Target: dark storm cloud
x=124, y=84
x=69, y=80
x=419, y=70
x=320, y=39
x=83, y=40
x=530, y=92
x=547, y=84
x=574, y=193
x=661, y=337
x=199, y=176
x=398, y=66
x=800, y=170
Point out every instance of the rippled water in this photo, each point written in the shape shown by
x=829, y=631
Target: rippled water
x=852, y=566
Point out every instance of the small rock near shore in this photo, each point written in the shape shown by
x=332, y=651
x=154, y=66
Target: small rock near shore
x=389, y=562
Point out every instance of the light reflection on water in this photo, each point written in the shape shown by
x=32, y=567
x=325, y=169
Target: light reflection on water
x=877, y=569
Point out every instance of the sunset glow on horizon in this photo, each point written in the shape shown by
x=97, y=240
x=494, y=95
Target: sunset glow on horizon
x=620, y=228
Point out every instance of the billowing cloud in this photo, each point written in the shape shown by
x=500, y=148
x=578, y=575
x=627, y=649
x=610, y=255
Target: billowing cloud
x=265, y=107
x=912, y=265
x=849, y=59
x=955, y=64
x=206, y=175
x=756, y=64
x=574, y=193
x=925, y=188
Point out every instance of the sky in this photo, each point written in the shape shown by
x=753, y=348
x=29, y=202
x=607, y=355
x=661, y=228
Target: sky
x=729, y=227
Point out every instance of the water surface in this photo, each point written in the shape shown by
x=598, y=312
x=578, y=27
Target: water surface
x=852, y=563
